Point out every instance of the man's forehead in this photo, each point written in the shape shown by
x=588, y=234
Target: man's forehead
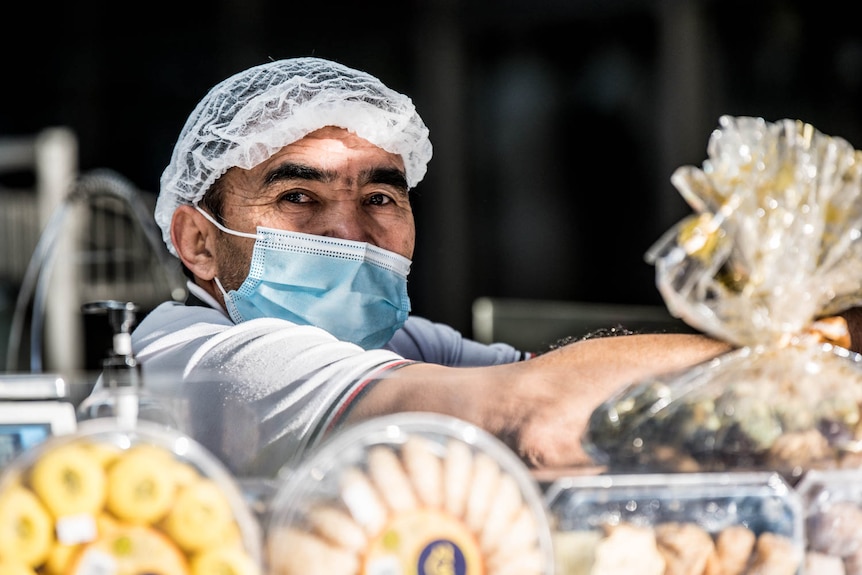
x=333, y=137
x=329, y=147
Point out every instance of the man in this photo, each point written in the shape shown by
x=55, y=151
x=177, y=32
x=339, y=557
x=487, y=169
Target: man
x=287, y=202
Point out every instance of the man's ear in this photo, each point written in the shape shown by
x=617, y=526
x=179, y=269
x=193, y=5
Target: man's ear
x=194, y=237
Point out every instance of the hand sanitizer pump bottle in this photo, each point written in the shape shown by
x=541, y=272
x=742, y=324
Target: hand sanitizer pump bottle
x=120, y=391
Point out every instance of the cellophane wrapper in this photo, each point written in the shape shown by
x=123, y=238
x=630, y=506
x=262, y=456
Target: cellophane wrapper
x=772, y=247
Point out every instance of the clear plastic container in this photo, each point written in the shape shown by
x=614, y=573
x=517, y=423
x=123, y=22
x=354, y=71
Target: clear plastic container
x=676, y=524
x=113, y=500
x=833, y=521
x=775, y=409
x=410, y=493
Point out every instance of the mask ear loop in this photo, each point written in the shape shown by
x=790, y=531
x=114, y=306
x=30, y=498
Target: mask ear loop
x=220, y=287
x=227, y=231
x=222, y=228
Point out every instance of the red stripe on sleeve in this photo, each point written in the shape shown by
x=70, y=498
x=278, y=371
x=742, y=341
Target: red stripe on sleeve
x=359, y=389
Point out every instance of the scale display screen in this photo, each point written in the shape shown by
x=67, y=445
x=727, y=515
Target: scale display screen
x=26, y=424
x=16, y=438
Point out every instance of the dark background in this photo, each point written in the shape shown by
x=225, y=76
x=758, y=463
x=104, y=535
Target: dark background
x=556, y=123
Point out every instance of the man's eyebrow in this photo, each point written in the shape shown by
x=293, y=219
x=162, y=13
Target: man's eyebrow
x=293, y=171
x=388, y=176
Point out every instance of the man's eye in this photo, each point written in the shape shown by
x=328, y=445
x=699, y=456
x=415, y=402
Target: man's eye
x=294, y=197
x=379, y=200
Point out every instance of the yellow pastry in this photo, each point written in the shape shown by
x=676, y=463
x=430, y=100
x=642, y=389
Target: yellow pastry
x=200, y=517
x=69, y=480
x=26, y=527
x=140, y=488
x=131, y=550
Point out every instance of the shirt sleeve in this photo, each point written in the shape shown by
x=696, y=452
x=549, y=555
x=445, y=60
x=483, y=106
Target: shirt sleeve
x=257, y=394
x=424, y=340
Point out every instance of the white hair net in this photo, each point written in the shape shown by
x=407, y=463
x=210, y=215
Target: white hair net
x=248, y=117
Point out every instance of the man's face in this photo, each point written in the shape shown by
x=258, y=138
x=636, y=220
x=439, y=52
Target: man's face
x=330, y=183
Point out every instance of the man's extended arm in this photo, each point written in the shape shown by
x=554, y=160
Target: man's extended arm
x=540, y=407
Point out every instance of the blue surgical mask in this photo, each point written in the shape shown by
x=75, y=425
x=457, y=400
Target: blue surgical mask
x=354, y=290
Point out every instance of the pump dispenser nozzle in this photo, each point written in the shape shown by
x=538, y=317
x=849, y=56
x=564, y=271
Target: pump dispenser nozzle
x=120, y=369
x=121, y=392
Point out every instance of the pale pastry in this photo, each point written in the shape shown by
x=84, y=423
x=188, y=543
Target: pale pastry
x=362, y=499
x=337, y=527
x=628, y=550
x=529, y=562
x=486, y=475
x=505, y=504
x=301, y=553
x=733, y=548
x=521, y=536
x=457, y=471
x=774, y=555
x=686, y=547
x=425, y=470
x=823, y=564
x=388, y=475
x=575, y=551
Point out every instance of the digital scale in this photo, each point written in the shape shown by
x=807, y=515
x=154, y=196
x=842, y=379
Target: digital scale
x=33, y=407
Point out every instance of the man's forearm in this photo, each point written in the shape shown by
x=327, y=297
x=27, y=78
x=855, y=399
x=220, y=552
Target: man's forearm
x=541, y=406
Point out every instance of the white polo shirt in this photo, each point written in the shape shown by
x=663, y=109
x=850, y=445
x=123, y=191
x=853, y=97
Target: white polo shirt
x=260, y=393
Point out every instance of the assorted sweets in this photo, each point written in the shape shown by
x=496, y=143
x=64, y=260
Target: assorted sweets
x=833, y=521
x=782, y=409
x=677, y=524
x=748, y=464
x=410, y=493
x=413, y=493
x=113, y=501
x=769, y=258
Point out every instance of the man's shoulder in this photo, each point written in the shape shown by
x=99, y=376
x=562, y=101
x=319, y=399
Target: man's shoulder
x=175, y=321
x=178, y=313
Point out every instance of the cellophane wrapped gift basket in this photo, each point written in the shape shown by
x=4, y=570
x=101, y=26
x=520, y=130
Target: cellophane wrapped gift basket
x=770, y=256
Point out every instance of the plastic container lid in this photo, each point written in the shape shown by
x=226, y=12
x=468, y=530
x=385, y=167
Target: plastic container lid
x=111, y=500
x=676, y=523
x=409, y=493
